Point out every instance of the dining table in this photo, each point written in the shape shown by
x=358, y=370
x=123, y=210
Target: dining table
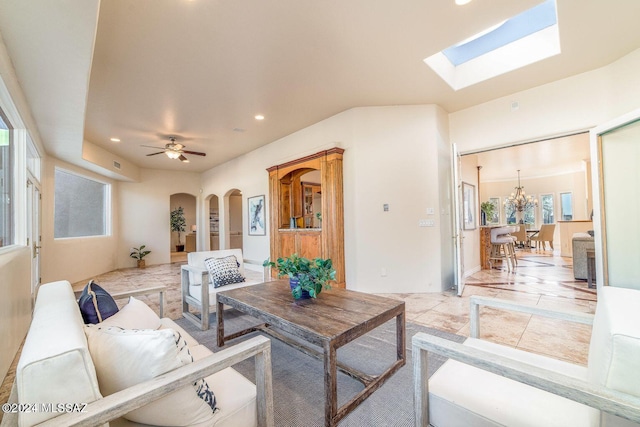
x=530, y=233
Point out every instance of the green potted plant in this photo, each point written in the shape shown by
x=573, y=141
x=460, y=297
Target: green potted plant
x=138, y=254
x=307, y=277
x=179, y=225
x=487, y=209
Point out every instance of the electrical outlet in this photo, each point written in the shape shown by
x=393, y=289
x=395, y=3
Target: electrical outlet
x=383, y=272
x=430, y=211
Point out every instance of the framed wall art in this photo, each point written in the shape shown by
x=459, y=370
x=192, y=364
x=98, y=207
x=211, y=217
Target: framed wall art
x=256, y=210
x=468, y=206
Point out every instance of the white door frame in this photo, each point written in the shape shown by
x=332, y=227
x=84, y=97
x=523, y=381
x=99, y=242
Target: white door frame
x=599, y=225
x=458, y=235
x=34, y=230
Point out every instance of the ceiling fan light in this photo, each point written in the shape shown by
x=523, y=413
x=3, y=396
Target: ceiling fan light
x=172, y=154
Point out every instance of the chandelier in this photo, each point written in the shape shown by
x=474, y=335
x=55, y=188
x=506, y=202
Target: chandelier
x=519, y=201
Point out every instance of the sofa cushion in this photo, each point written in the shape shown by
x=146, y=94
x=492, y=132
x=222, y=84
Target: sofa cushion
x=166, y=323
x=96, y=304
x=127, y=357
x=615, y=340
x=134, y=315
x=476, y=397
x=236, y=395
x=224, y=271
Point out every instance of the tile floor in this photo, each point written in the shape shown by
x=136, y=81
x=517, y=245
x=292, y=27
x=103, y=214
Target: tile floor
x=540, y=279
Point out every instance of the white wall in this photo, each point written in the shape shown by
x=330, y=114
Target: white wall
x=575, y=103
x=75, y=259
x=391, y=156
x=562, y=107
x=144, y=212
x=15, y=304
x=15, y=261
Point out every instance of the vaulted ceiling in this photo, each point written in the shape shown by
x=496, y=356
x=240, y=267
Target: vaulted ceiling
x=200, y=70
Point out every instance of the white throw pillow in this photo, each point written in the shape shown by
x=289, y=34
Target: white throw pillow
x=224, y=271
x=125, y=357
x=134, y=315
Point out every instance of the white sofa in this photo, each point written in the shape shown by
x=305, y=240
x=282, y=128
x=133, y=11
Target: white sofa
x=56, y=366
x=194, y=273
x=487, y=384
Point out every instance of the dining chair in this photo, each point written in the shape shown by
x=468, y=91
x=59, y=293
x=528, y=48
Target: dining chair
x=545, y=235
x=521, y=235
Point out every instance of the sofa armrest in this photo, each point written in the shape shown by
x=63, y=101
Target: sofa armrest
x=477, y=301
x=196, y=271
x=265, y=270
x=122, y=402
x=161, y=290
x=613, y=402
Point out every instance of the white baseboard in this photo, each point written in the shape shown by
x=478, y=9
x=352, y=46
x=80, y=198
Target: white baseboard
x=474, y=270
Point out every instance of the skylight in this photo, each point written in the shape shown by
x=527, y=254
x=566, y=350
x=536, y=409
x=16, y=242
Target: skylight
x=521, y=40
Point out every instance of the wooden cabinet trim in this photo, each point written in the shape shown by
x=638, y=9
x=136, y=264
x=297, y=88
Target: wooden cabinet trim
x=329, y=240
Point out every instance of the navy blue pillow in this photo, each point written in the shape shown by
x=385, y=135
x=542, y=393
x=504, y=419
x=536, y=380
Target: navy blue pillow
x=96, y=304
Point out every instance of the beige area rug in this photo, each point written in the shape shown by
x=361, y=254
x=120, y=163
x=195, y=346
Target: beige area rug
x=128, y=279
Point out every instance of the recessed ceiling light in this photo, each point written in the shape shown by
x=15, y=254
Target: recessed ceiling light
x=115, y=139
x=462, y=2
x=259, y=117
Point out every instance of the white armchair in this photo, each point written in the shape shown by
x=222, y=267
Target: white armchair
x=488, y=384
x=203, y=298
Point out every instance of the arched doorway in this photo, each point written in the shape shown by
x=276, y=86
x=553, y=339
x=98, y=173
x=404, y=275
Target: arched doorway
x=214, y=223
x=233, y=225
x=183, y=241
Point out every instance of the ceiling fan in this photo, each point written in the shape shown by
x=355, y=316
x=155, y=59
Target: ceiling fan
x=174, y=150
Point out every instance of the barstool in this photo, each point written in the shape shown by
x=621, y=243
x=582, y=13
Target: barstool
x=503, y=246
x=512, y=247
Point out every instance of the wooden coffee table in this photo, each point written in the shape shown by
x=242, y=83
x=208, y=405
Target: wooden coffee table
x=330, y=321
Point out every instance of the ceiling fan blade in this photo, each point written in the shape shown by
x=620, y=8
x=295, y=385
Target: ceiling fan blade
x=183, y=159
x=151, y=146
x=153, y=154
x=195, y=153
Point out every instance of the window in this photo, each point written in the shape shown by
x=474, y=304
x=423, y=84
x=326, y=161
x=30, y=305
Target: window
x=509, y=213
x=6, y=183
x=566, y=206
x=81, y=206
x=546, y=202
x=512, y=216
x=524, y=39
x=495, y=216
x=530, y=213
